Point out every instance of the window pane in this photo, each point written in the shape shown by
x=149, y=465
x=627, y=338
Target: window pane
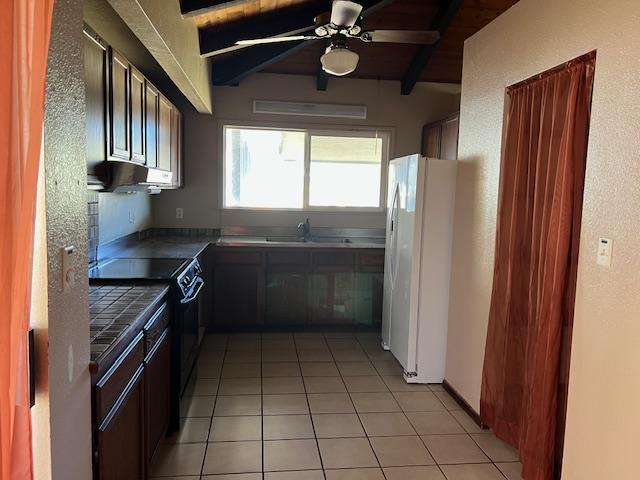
x=264, y=168
x=345, y=171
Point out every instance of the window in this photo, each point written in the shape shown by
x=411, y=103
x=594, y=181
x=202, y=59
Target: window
x=304, y=169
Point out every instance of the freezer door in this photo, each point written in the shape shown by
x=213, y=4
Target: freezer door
x=403, y=310
x=390, y=250
x=390, y=263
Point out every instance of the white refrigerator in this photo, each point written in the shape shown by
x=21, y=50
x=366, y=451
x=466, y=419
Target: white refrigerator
x=420, y=208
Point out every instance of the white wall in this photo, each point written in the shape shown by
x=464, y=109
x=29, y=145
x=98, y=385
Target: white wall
x=386, y=108
x=604, y=392
x=116, y=210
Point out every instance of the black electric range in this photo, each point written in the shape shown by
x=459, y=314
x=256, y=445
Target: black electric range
x=185, y=279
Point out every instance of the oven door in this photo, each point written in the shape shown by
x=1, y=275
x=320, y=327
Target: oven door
x=189, y=323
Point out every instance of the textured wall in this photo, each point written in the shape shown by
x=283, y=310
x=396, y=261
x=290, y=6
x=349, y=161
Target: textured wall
x=386, y=108
x=66, y=220
x=604, y=392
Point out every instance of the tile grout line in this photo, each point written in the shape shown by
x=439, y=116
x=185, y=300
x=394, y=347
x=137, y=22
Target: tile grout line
x=366, y=435
x=215, y=402
x=306, y=396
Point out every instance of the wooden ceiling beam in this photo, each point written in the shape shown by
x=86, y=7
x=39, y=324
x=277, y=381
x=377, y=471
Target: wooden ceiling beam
x=441, y=22
x=240, y=64
x=278, y=23
x=234, y=68
x=194, y=8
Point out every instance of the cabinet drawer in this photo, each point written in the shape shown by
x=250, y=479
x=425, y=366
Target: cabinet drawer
x=112, y=384
x=287, y=258
x=238, y=258
x=155, y=327
x=333, y=258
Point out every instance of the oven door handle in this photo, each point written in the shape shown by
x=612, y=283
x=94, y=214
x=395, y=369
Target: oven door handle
x=194, y=292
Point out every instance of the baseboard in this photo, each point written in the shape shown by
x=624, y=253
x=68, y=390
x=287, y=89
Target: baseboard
x=463, y=403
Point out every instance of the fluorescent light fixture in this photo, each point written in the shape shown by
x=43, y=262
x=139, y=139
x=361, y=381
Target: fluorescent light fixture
x=275, y=107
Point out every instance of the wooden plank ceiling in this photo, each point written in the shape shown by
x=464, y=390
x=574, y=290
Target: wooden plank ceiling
x=215, y=19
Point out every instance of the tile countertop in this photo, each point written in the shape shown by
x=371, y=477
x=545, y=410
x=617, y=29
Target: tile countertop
x=118, y=312
x=162, y=247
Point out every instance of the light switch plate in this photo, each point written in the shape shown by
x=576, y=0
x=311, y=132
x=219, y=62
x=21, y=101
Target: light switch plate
x=179, y=212
x=68, y=270
x=605, y=247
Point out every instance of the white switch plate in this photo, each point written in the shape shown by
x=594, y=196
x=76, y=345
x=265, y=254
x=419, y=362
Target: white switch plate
x=605, y=247
x=68, y=271
x=132, y=217
x=179, y=212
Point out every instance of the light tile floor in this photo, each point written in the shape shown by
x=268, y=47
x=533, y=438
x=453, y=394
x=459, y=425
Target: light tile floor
x=314, y=406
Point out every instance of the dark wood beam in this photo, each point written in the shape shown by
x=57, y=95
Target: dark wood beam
x=442, y=20
x=193, y=8
x=233, y=68
x=290, y=21
x=240, y=64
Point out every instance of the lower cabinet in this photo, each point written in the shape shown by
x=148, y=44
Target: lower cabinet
x=235, y=295
x=286, y=295
x=120, y=437
x=131, y=403
x=291, y=287
x=157, y=393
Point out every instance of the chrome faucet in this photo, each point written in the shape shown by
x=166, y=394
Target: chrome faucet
x=306, y=230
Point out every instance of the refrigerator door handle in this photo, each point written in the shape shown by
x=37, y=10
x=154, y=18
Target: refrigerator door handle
x=394, y=235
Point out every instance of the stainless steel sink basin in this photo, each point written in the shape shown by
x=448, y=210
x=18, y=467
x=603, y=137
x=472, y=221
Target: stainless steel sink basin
x=288, y=240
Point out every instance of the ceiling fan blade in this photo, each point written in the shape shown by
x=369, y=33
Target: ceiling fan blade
x=261, y=41
x=345, y=13
x=425, y=37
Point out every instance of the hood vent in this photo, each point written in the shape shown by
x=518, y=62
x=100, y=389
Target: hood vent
x=132, y=177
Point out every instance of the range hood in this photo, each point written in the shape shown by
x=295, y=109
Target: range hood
x=132, y=177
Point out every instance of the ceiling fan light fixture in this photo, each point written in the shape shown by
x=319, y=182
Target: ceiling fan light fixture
x=339, y=60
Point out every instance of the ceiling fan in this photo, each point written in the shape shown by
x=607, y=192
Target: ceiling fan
x=342, y=24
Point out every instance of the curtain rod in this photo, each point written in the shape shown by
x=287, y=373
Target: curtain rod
x=587, y=57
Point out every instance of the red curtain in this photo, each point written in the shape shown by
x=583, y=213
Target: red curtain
x=539, y=213
x=24, y=40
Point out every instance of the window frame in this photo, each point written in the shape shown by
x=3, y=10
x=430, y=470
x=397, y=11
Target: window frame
x=386, y=133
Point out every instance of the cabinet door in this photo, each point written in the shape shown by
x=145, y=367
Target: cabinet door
x=164, y=134
x=95, y=74
x=431, y=140
x=119, y=107
x=286, y=295
x=236, y=296
x=333, y=295
x=157, y=392
x=138, y=108
x=120, y=438
x=152, y=101
x=176, y=148
x=449, y=138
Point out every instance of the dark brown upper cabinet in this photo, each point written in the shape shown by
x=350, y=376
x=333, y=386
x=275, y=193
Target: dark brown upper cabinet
x=138, y=120
x=440, y=139
x=127, y=118
x=95, y=73
x=119, y=113
x=176, y=149
x=152, y=110
x=164, y=134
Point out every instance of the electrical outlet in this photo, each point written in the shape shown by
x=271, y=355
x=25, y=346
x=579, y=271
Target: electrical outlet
x=179, y=213
x=132, y=217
